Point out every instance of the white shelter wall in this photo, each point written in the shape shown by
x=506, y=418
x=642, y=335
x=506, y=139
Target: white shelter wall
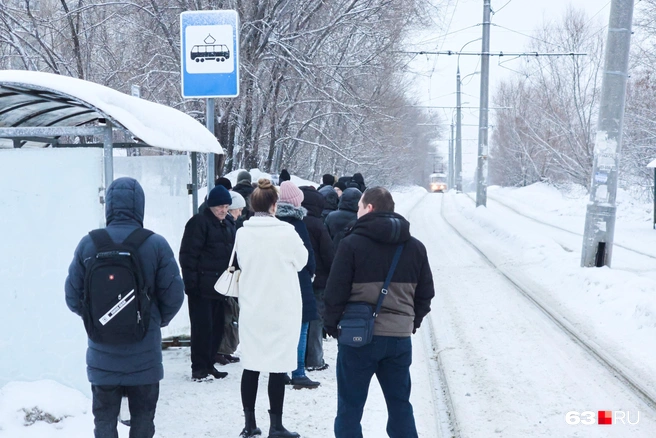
x=164, y=180
x=49, y=199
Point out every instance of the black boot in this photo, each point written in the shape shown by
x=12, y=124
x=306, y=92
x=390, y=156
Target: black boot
x=277, y=430
x=250, y=429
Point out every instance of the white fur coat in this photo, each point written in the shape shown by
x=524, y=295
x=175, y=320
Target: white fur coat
x=270, y=254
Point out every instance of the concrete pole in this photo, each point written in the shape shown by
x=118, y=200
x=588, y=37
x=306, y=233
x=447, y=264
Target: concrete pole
x=600, y=216
x=458, y=157
x=209, y=122
x=481, y=169
x=108, y=154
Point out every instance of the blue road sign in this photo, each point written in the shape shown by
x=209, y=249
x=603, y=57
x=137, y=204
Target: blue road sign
x=210, y=53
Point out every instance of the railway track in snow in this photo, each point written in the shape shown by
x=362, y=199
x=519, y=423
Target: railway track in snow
x=446, y=422
x=534, y=219
x=588, y=345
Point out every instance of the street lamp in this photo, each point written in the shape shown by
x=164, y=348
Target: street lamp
x=458, y=154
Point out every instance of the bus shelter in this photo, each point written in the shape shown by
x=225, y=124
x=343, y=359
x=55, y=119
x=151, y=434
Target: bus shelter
x=40, y=109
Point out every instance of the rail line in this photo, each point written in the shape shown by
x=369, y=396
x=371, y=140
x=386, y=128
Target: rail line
x=446, y=422
x=616, y=369
x=503, y=204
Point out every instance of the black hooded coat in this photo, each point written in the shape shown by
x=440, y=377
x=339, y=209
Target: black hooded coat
x=322, y=244
x=331, y=200
x=347, y=212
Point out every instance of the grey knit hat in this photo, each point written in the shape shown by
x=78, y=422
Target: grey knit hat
x=243, y=177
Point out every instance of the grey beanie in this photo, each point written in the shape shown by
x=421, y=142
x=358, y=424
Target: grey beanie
x=243, y=177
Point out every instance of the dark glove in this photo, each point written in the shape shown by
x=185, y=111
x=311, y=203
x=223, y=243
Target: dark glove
x=417, y=324
x=331, y=331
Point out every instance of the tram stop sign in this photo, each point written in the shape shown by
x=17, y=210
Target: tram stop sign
x=209, y=53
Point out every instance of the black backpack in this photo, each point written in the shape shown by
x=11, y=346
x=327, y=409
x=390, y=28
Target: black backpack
x=116, y=303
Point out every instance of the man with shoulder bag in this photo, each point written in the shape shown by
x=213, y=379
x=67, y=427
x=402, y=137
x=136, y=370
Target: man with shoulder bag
x=380, y=277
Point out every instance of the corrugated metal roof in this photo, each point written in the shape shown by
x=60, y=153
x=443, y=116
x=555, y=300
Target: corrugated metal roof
x=37, y=99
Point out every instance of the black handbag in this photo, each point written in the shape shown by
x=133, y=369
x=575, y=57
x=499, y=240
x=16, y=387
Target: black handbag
x=356, y=328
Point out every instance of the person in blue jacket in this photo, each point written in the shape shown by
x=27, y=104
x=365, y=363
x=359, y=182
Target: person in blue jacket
x=290, y=211
x=135, y=368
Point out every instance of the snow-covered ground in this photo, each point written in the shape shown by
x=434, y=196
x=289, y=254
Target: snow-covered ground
x=509, y=370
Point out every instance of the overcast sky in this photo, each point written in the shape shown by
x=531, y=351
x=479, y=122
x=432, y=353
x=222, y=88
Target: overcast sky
x=460, y=22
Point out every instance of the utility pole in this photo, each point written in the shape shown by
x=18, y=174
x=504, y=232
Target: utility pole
x=481, y=169
x=458, y=158
x=600, y=215
x=450, y=180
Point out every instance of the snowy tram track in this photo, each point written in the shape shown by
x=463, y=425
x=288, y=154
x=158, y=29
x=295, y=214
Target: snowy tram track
x=612, y=365
x=445, y=416
x=534, y=219
x=446, y=424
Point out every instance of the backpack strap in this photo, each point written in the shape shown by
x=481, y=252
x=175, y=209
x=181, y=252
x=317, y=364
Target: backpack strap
x=137, y=238
x=101, y=240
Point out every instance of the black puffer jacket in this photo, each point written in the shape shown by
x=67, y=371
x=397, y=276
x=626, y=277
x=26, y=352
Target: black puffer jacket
x=347, y=212
x=245, y=190
x=360, y=268
x=331, y=200
x=205, y=252
x=321, y=243
x=294, y=216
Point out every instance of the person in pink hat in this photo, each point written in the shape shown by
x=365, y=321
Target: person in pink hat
x=290, y=211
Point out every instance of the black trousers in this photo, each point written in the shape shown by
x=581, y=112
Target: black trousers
x=207, y=319
x=107, y=404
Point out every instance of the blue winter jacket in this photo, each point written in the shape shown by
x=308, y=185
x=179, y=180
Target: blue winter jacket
x=138, y=363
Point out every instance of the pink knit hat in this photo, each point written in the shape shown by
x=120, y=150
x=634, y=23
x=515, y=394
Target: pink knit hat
x=290, y=194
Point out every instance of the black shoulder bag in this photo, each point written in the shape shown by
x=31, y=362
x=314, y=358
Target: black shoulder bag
x=356, y=328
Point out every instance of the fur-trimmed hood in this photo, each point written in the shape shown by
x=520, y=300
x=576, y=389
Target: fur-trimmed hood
x=288, y=210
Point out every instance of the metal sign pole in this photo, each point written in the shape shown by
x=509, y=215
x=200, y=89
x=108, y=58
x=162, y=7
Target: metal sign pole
x=209, y=121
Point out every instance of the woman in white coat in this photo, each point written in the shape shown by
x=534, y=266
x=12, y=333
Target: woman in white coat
x=270, y=253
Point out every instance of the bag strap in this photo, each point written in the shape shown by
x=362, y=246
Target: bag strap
x=232, y=257
x=383, y=291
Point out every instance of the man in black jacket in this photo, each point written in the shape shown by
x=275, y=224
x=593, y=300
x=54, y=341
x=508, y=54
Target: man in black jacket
x=204, y=255
x=322, y=245
x=361, y=264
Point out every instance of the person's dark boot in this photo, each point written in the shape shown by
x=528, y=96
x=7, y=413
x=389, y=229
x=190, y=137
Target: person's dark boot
x=277, y=430
x=250, y=429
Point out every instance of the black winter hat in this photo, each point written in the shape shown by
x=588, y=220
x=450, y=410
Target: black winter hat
x=284, y=176
x=340, y=185
x=219, y=196
x=223, y=181
x=328, y=179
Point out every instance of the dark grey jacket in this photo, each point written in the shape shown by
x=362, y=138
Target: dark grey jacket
x=139, y=363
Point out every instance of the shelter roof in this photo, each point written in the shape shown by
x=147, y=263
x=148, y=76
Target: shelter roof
x=38, y=99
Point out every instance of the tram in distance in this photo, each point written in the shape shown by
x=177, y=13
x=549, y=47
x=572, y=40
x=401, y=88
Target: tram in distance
x=437, y=182
x=217, y=52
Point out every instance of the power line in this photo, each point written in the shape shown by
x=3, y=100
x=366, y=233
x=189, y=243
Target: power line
x=451, y=52
x=499, y=10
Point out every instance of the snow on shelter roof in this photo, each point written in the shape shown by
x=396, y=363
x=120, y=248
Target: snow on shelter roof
x=652, y=164
x=38, y=99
